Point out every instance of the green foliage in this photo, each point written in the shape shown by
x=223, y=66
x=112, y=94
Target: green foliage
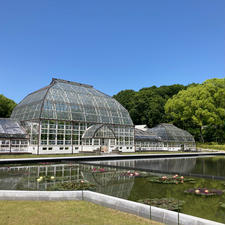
x=147, y=105
x=204, y=191
x=171, y=180
x=165, y=203
x=126, y=98
x=211, y=145
x=72, y=186
x=222, y=205
x=6, y=106
x=200, y=109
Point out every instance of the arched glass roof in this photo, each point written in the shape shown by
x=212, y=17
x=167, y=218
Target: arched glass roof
x=170, y=133
x=71, y=101
x=99, y=131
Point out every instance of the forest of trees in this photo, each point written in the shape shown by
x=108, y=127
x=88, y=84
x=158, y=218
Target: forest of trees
x=197, y=108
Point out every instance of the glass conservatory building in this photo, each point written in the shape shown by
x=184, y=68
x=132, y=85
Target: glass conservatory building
x=13, y=137
x=69, y=117
x=163, y=137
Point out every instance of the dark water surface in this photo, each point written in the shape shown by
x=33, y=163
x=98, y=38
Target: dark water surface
x=208, y=167
x=110, y=177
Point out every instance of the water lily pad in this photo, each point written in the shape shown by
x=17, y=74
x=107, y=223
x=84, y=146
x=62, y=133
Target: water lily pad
x=222, y=205
x=165, y=203
x=72, y=186
x=204, y=191
x=171, y=180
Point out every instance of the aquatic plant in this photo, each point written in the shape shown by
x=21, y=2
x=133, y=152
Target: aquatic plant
x=45, y=178
x=176, y=179
x=98, y=170
x=204, y=191
x=165, y=203
x=52, y=178
x=222, y=205
x=72, y=186
x=143, y=174
x=131, y=174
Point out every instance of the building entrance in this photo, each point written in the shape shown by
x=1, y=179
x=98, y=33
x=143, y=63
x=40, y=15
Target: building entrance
x=104, y=145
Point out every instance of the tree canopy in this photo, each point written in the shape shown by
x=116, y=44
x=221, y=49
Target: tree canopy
x=200, y=109
x=146, y=106
x=6, y=106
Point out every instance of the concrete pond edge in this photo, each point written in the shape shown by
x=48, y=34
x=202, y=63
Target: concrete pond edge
x=139, y=209
x=108, y=157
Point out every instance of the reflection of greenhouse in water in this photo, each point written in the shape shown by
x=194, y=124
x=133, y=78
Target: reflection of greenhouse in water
x=113, y=181
x=25, y=177
x=110, y=181
x=174, y=165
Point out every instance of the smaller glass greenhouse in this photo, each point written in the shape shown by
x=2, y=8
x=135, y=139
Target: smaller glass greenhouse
x=163, y=137
x=13, y=137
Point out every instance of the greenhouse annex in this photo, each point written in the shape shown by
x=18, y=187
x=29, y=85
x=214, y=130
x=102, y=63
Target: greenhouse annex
x=69, y=117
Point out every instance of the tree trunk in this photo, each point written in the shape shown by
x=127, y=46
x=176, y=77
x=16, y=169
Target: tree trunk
x=201, y=136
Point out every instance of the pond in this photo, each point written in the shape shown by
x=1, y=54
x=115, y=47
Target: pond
x=134, y=180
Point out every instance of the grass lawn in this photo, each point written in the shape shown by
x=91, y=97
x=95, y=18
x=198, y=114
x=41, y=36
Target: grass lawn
x=64, y=213
x=213, y=146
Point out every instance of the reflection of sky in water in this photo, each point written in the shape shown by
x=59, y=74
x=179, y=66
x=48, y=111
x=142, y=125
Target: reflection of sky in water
x=206, y=166
x=111, y=181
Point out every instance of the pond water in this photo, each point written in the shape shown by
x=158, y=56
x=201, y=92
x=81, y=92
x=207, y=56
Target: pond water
x=117, y=178
x=207, y=167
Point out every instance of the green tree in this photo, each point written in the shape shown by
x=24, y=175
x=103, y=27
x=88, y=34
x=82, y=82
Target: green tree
x=6, y=106
x=200, y=106
x=126, y=98
x=147, y=105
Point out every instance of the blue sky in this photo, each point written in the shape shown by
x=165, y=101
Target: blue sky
x=111, y=44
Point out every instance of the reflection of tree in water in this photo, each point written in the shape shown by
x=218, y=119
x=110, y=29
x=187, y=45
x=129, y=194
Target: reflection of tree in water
x=170, y=165
x=211, y=166
x=178, y=165
x=111, y=181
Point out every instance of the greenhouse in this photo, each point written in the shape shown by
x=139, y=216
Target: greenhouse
x=163, y=137
x=69, y=117
x=13, y=137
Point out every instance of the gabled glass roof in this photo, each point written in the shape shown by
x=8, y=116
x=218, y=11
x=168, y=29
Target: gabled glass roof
x=71, y=101
x=11, y=129
x=170, y=133
x=141, y=135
